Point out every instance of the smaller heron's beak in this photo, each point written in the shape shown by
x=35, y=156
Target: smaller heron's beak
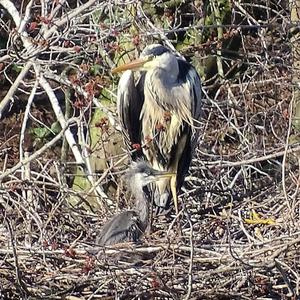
x=163, y=174
x=133, y=65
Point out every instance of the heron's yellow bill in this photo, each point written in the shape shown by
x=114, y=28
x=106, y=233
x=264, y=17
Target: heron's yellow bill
x=133, y=65
x=173, y=184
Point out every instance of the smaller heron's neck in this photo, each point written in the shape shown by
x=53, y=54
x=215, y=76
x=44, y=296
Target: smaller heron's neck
x=141, y=205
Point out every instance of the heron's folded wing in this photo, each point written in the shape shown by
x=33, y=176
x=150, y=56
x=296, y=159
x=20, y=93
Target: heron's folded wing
x=123, y=227
x=129, y=105
x=191, y=80
x=196, y=94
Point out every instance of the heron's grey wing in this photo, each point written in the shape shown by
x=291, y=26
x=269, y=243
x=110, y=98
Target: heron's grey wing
x=190, y=77
x=129, y=104
x=121, y=228
x=196, y=98
x=196, y=94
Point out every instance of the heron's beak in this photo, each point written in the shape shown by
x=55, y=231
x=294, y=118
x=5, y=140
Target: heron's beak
x=173, y=185
x=133, y=65
x=163, y=174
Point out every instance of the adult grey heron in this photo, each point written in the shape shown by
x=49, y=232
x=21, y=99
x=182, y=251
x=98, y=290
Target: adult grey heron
x=160, y=112
x=131, y=224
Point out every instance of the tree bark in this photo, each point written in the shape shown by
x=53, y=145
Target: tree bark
x=295, y=48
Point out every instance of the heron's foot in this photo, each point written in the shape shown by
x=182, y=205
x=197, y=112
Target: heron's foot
x=256, y=219
x=178, y=226
x=161, y=200
x=162, y=211
x=162, y=203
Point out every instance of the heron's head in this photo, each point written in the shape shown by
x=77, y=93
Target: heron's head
x=140, y=174
x=153, y=56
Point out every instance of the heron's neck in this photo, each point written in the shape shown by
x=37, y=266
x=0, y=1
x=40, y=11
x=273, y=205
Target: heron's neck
x=165, y=92
x=159, y=86
x=163, y=78
x=141, y=205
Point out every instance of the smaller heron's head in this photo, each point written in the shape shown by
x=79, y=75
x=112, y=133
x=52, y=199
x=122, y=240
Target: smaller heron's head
x=153, y=56
x=140, y=174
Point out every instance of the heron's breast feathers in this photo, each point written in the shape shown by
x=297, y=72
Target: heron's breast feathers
x=161, y=131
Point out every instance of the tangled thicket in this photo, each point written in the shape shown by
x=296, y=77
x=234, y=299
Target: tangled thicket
x=237, y=235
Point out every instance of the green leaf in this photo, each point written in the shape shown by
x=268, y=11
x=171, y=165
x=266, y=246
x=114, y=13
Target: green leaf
x=95, y=70
x=41, y=132
x=55, y=127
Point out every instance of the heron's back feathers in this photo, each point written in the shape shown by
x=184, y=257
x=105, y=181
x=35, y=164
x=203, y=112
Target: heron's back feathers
x=124, y=227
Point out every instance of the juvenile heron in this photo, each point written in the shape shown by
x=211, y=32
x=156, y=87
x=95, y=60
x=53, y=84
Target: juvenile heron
x=131, y=224
x=160, y=111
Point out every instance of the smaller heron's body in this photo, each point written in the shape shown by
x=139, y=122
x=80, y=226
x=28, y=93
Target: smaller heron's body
x=125, y=226
x=129, y=226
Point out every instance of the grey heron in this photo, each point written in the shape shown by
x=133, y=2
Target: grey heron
x=131, y=224
x=160, y=111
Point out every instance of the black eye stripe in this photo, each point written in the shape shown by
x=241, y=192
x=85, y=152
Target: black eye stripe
x=157, y=51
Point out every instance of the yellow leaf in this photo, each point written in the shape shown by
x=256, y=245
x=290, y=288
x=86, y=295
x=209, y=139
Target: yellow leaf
x=256, y=219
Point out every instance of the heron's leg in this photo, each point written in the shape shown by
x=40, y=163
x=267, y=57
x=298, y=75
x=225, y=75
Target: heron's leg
x=150, y=225
x=173, y=184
